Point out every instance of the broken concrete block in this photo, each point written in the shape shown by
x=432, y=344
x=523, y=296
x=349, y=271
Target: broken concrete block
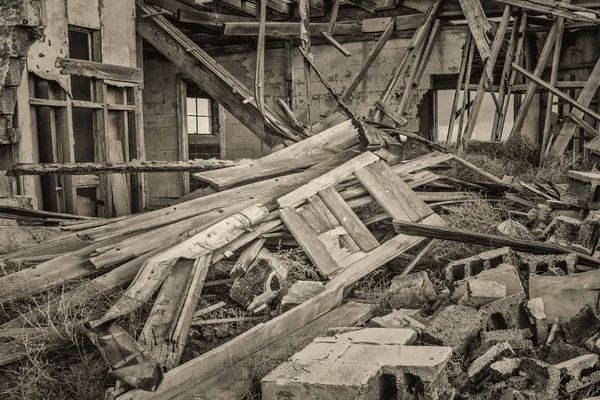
x=8, y=100
x=505, y=313
x=298, y=293
x=481, y=292
x=552, y=264
x=412, y=289
x=579, y=372
x=360, y=364
x=561, y=351
x=397, y=319
x=519, y=339
x=497, y=351
x=454, y=326
x=514, y=229
x=544, y=378
x=593, y=343
x=504, y=273
x=461, y=269
x=582, y=326
x=260, y=283
x=562, y=231
x=537, y=315
x=318, y=380
x=504, y=368
x=588, y=235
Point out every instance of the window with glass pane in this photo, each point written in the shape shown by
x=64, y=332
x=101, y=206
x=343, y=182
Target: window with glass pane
x=199, y=116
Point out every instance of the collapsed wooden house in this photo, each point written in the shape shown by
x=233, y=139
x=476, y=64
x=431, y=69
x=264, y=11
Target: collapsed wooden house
x=162, y=136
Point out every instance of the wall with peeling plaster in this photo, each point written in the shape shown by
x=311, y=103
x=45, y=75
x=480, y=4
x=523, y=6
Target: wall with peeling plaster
x=116, y=21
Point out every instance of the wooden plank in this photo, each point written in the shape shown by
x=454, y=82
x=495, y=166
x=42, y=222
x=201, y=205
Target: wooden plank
x=379, y=256
x=466, y=96
x=461, y=78
x=488, y=78
x=303, y=154
x=553, y=78
x=348, y=219
x=100, y=70
x=121, y=167
x=527, y=246
x=358, y=77
x=392, y=193
x=415, y=43
x=480, y=28
x=507, y=79
x=287, y=29
x=307, y=238
x=155, y=270
x=538, y=71
x=332, y=177
x=118, y=182
x=551, y=7
x=391, y=114
x=166, y=311
x=209, y=364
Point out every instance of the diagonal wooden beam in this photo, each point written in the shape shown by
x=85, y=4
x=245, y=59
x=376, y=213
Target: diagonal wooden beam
x=555, y=8
x=481, y=29
x=209, y=75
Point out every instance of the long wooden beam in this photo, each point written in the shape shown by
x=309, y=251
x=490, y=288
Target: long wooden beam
x=528, y=246
x=130, y=167
x=584, y=100
x=100, y=70
x=287, y=29
x=555, y=8
x=579, y=105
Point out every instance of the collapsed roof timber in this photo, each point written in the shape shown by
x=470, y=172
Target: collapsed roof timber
x=356, y=191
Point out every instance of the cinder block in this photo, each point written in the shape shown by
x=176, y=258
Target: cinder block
x=480, y=292
x=504, y=368
x=460, y=269
x=455, y=326
x=582, y=326
x=519, y=339
x=505, y=313
x=496, y=352
x=552, y=264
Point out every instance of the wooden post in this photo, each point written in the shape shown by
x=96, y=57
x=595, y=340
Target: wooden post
x=504, y=79
x=560, y=22
x=466, y=94
x=539, y=69
x=304, y=11
x=498, y=40
x=461, y=76
x=517, y=57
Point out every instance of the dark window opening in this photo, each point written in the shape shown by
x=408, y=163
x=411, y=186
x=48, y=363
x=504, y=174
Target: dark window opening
x=80, y=47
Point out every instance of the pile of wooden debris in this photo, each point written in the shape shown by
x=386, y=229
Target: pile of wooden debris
x=167, y=255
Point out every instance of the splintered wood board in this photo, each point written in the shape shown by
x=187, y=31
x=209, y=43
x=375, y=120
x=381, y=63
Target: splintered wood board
x=348, y=219
x=392, y=193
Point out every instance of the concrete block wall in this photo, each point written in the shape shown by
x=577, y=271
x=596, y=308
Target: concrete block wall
x=160, y=106
x=160, y=129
